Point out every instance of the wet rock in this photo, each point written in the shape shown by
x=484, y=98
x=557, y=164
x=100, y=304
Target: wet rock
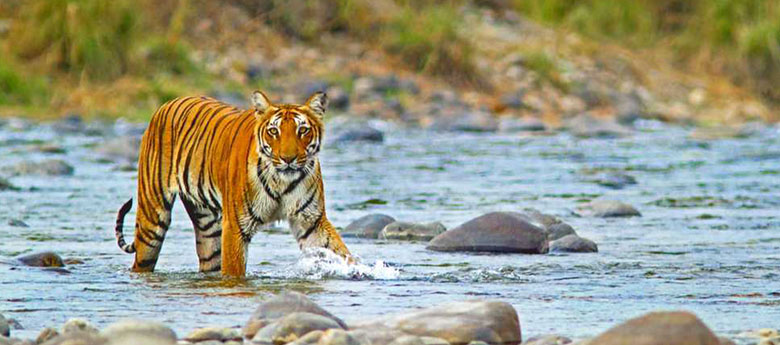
x=130, y=332
x=607, y=208
x=337, y=337
x=280, y=306
x=587, y=126
x=661, y=328
x=412, y=231
x=377, y=336
x=51, y=149
x=6, y=185
x=46, y=334
x=505, y=232
x=70, y=124
x=550, y=339
x=338, y=98
x=122, y=149
x=470, y=121
x=213, y=333
x=559, y=230
x=5, y=328
x=18, y=223
x=293, y=326
x=508, y=124
x=457, y=323
x=368, y=226
x=614, y=180
x=49, y=167
x=308, y=339
x=573, y=244
x=343, y=130
x=628, y=108
x=78, y=326
x=43, y=259
x=407, y=340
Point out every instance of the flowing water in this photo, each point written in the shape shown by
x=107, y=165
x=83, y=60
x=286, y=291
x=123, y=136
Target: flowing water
x=708, y=240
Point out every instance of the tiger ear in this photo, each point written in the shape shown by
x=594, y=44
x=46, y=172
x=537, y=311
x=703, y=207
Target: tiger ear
x=318, y=103
x=260, y=101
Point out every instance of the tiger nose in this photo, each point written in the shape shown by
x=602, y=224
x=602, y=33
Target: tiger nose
x=288, y=159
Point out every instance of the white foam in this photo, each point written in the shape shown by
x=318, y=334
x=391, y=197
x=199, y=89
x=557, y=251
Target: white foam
x=318, y=263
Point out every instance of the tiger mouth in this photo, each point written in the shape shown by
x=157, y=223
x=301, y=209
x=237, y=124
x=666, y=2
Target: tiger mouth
x=289, y=170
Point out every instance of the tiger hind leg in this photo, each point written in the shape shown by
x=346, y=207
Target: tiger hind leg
x=152, y=220
x=208, y=235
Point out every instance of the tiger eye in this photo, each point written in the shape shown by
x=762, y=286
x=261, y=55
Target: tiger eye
x=303, y=130
x=273, y=131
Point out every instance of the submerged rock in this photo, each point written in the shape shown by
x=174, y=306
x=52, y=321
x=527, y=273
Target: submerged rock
x=293, y=326
x=18, y=223
x=550, y=339
x=573, y=244
x=49, y=167
x=43, y=259
x=5, y=328
x=6, y=185
x=614, y=180
x=660, y=328
x=504, y=232
x=280, y=306
x=368, y=226
x=457, y=323
x=587, y=126
x=138, y=332
x=607, y=208
x=412, y=231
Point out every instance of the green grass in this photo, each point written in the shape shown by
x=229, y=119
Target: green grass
x=17, y=88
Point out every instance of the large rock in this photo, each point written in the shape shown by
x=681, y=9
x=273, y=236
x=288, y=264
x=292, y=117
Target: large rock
x=607, y=208
x=587, y=126
x=292, y=327
x=5, y=328
x=368, y=226
x=573, y=244
x=213, y=333
x=78, y=338
x=130, y=332
x=43, y=259
x=458, y=323
x=412, y=231
x=553, y=226
x=280, y=306
x=503, y=232
x=76, y=325
x=549, y=339
x=661, y=328
x=49, y=167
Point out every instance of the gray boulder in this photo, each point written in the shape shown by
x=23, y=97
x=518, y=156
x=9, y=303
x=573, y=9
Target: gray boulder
x=368, y=226
x=607, y=208
x=220, y=334
x=122, y=149
x=457, y=323
x=280, y=306
x=130, y=332
x=503, y=232
x=573, y=244
x=42, y=259
x=412, y=231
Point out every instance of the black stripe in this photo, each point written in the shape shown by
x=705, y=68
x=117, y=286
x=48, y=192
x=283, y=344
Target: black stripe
x=212, y=256
x=217, y=233
x=252, y=214
x=305, y=204
x=146, y=262
x=268, y=189
x=294, y=184
x=308, y=231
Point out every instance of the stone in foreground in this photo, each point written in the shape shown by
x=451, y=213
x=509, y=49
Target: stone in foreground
x=368, y=226
x=573, y=244
x=660, y=328
x=501, y=232
x=412, y=231
x=138, y=332
x=549, y=339
x=280, y=306
x=458, y=323
x=607, y=209
x=213, y=333
x=292, y=327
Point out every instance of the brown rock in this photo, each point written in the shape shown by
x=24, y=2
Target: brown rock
x=280, y=306
x=43, y=259
x=660, y=328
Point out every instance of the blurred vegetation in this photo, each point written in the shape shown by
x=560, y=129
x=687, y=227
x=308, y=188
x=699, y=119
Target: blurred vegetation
x=54, y=47
x=740, y=38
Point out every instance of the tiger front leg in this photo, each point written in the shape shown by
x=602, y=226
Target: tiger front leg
x=318, y=232
x=234, y=248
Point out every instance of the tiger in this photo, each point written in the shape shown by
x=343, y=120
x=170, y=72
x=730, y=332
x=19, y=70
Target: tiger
x=235, y=171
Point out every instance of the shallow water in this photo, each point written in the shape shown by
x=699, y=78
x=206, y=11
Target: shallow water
x=708, y=240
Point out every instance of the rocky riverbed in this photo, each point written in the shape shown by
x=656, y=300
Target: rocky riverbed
x=575, y=232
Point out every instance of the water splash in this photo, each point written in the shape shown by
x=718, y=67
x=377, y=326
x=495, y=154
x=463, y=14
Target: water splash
x=319, y=263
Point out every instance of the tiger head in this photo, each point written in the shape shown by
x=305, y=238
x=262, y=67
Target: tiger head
x=289, y=135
